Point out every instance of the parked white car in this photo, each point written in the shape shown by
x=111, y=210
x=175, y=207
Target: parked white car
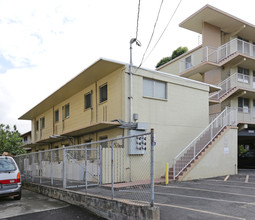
x=10, y=181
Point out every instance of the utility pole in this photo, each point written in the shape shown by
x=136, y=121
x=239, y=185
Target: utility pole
x=131, y=78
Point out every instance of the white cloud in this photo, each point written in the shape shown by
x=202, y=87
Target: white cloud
x=43, y=44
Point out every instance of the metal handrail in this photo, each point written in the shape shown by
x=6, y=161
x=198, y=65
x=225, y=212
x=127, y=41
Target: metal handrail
x=225, y=87
x=235, y=80
x=220, y=53
x=222, y=120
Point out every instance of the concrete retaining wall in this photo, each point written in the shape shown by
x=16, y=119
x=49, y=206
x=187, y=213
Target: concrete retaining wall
x=101, y=206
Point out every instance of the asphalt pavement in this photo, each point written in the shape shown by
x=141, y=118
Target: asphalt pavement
x=34, y=206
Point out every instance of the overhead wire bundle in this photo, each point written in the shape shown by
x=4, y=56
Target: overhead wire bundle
x=153, y=31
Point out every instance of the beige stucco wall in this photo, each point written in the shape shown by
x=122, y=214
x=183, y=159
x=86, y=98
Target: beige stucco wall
x=172, y=67
x=220, y=159
x=211, y=35
x=213, y=76
x=176, y=120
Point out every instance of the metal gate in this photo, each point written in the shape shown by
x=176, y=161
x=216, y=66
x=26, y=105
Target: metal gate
x=81, y=166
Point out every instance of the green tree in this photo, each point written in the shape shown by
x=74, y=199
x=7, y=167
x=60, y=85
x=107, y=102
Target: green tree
x=10, y=140
x=179, y=51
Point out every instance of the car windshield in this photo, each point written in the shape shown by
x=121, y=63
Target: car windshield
x=7, y=165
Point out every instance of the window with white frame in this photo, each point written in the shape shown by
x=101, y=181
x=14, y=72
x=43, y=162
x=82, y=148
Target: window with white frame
x=243, y=74
x=154, y=88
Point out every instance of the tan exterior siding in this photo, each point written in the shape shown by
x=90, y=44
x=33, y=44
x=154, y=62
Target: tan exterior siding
x=176, y=120
x=211, y=35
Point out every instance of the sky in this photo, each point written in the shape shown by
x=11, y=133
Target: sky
x=44, y=44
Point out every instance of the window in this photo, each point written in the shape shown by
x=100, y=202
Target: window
x=37, y=125
x=42, y=120
x=242, y=70
x=154, y=88
x=243, y=105
x=243, y=75
x=188, y=62
x=67, y=111
x=57, y=116
x=103, y=93
x=88, y=100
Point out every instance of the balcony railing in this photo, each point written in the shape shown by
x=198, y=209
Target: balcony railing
x=216, y=55
x=246, y=115
x=237, y=80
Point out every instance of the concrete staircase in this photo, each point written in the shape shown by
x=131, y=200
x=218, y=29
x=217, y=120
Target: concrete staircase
x=198, y=147
x=189, y=156
x=223, y=95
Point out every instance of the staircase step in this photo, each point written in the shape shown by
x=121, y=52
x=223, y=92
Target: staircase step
x=188, y=157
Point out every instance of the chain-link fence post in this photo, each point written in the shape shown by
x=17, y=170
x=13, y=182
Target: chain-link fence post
x=40, y=167
x=32, y=167
x=64, y=167
x=100, y=163
x=51, y=168
x=112, y=170
x=152, y=167
x=86, y=166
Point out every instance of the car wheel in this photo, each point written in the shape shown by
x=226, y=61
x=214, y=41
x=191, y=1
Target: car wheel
x=18, y=197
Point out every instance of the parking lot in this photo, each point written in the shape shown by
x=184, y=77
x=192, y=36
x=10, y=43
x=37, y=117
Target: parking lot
x=227, y=197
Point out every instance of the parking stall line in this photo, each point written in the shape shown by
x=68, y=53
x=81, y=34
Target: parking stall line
x=230, y=181
x=192, y=197
x=226, y=178
x=207, y=190
x=246, y=179
x=224, y=185
x=201, y=211
x=194, y=210
x=206, y=198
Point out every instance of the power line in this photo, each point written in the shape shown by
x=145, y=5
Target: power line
x=164, y=29
x=153, y=31
x=137, y=22
x=162, y=32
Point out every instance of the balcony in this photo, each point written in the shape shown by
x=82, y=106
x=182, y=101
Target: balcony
x=207, y=58
x=246, y=115
x=232, y=84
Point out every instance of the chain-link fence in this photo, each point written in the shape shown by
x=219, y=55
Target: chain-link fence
x=117, y=168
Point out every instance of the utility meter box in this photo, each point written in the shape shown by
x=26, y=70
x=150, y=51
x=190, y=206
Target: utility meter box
x=138, y=145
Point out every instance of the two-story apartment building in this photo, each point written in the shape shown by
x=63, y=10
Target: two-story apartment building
x=26, y=140
x=95, y=105
x=225, y=58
